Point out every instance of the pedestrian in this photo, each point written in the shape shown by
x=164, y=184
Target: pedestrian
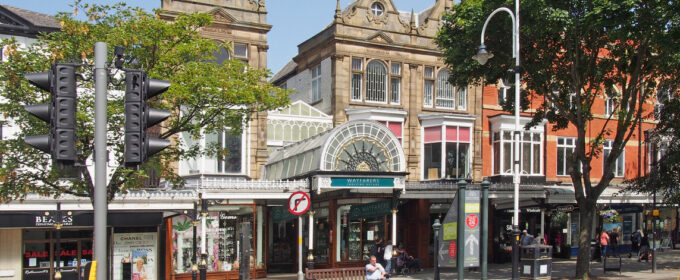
x=604, y=244
x=526, y=238
x=635, y=240
x=614, y=242
x=388, y=256
x=644, y=248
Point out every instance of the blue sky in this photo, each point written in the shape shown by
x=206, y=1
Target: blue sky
x=293, y=21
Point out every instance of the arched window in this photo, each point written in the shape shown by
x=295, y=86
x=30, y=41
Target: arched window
x=445, y=91
x=376, y=82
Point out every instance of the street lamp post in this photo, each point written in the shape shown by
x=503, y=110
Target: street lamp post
x=194, y=224
x=203, y=266
x=482, y=57
x=435, y=227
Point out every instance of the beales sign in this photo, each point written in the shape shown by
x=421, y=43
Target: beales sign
x=41, y=220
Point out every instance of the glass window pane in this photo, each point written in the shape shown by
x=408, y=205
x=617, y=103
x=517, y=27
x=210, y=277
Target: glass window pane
x=427, y=94
x=536, y=162
x=451, y=160
x=376, y=79
x=230, y=158
x=395, y=95
x=429, y=72
x=432, y=158
x=445, y=91
x=462, y=99
x=463, y=160
x=356, y=86
x=396, y=68
x=507, y=158
x=356, y=64
x=561, y=161
x=496, y=158
x=240, y=50
x=526, y=158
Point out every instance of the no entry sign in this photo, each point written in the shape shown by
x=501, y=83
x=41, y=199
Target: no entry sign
x=298, y=203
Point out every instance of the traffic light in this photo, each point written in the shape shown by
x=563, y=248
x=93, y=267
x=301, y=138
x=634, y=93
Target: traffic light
x=60, y=113
x=138, y=117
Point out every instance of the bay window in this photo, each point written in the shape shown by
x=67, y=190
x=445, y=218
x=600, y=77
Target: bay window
x=531, y=152
x=446, y=152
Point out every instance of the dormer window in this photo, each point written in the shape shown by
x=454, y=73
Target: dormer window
x=377, y=9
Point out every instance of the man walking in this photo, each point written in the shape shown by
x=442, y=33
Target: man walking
x=388, y=256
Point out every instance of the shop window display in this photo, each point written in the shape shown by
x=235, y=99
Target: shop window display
x=359, y=227
x=321, y=234
x=222, y=233
x=40, y=252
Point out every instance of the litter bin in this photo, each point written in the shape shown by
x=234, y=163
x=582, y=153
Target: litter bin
x=536, y=261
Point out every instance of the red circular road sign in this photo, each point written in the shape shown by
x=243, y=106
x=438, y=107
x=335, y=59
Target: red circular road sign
x=298, y=203
x=472, y=220
x=452, y=249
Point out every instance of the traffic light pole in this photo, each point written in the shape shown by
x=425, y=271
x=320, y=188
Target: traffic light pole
x=100, y=153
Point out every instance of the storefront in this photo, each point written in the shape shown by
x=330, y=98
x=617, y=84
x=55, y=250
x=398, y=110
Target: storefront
x=666, y=226
x=47, y=246
x=357, y=171
x=227, y=226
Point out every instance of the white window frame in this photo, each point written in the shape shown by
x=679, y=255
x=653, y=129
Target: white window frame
x=442, y=141
x=507, y=170
x=462, y=98
x=395, y=83
x=444, y=91
x=428, y=87
x=564, y=144
x=377, y=9
x=606, y=149
x=244, y=152
x=356, y=79
x=316, y=83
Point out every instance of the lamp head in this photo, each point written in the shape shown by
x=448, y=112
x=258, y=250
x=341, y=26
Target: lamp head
x=482, y=55
x=194, y=267
x=57, y=275
x=436, y=224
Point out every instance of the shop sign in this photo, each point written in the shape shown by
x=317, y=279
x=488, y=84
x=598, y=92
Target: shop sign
x=375, y=209
x=565, y=208
x=472, y=231
x=353, y=182
x=524, y=210
x=48, y=221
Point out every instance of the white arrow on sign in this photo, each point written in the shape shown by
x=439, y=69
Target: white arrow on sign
x=443, y=251
x=472, y=241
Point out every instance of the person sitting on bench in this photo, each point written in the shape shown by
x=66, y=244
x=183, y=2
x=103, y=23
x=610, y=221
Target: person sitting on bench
x=374, y=270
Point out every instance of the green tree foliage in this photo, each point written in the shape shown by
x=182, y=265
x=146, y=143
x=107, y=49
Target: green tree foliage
x=578, y=48
x=664, y=175
x=205, y=97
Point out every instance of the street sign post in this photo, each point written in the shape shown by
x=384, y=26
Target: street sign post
x=298, y=203
x=472, y=228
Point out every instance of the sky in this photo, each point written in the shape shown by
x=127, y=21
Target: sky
x=294, y=21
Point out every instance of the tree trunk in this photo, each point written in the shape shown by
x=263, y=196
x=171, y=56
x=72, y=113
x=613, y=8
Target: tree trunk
x=586, y=215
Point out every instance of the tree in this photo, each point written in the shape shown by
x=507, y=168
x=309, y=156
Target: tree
x=205, y=97
x=572, y=53
x=664, y=174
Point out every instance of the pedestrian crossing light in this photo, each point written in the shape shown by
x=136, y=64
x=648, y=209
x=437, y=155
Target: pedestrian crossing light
x=138, y=117
x=59, y=113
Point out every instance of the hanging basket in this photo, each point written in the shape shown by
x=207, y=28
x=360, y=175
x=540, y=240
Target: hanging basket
x=609, y=216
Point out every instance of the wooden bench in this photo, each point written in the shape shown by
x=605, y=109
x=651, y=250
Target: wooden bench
x=343, y=273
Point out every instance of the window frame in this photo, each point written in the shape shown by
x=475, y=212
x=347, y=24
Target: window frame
x=443, y=142
x=242, y=57
x=564, y=147
x=434, y=84
x=375, y=83
x=221, y=135
x=316, y=83
x=377, y=9
x=359, y=81
x=502, y=141
x=606, y=149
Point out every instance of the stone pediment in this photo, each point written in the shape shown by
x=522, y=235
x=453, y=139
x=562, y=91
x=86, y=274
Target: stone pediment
x=221, y=16
x=380, y=37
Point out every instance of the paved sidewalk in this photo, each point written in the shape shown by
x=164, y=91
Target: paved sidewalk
x=668, y=267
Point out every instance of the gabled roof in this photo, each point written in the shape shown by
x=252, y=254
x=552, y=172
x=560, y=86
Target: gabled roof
x=289, y=69
x=16, y=21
